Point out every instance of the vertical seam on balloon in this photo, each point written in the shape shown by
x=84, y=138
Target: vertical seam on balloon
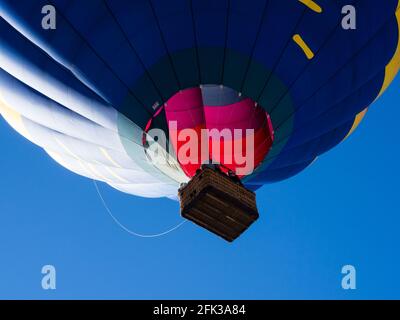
x=165, y=44
x=226, y=41
x=331, y=34
x=104, y=62
x=314, y=151
x=195, y=41
x=253, y=48
x=128, y=40
x=272, y=71
x=276, y=142
x=331, y=77
x=295, y=130
x=277, y=63
x=324, y=112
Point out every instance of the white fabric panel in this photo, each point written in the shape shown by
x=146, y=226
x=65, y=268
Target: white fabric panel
x=90, y=161
x=152, y=190
x=48, y=113
x=143, y=190
x=77, y=167
x=20, y=68
x=84, y=151
x=109, y=173
x=19, y=26
x=54, y=116
x=80, y=132
x=87, y=105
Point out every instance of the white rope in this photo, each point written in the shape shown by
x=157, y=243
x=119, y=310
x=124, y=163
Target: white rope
x=128, y=230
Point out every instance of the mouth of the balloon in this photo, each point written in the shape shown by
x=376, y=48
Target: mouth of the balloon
x=216, y=124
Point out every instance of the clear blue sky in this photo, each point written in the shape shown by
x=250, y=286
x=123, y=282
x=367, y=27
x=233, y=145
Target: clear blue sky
x=342, y=210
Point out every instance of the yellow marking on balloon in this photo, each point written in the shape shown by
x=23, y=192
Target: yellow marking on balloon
x=66, y=149
x=116, y=175
x=306, y=49
x=60, y=159
x=312, y=5
x=393, y=67
x=87, y=169
x=108, y=157
x=113, y=173
x=357, y=121
x=13, y=118
x=57, y=157
x=97, y=173
x=16, y=121
x=390, y=73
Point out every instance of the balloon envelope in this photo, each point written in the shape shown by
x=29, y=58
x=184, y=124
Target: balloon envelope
x=89, y=90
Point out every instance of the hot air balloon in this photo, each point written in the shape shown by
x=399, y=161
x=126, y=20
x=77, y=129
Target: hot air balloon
x=88, y=81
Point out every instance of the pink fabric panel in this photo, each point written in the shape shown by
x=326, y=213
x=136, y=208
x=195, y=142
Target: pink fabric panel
x=186, y=108
x=240, y=115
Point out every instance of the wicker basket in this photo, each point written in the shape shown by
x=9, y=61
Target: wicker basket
x=218, y=203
